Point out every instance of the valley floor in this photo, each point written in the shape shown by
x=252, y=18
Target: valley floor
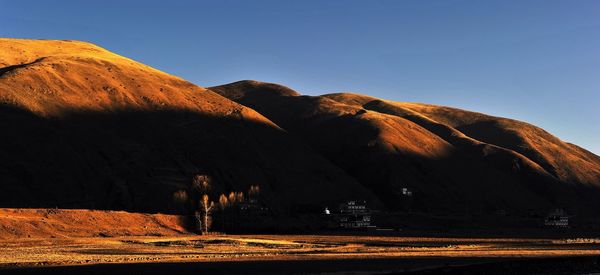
x=276, y=254
x=61, y=241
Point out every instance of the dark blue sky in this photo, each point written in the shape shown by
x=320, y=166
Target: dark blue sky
x=537, y=61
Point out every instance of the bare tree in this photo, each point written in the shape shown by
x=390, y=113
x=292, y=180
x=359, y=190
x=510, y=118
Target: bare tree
x=206, y=207
x=223, y=204
x=239, y=197
x=181, y=198
x=231, y=198
x=253, y=193
x=200, y=201
x=201, y=184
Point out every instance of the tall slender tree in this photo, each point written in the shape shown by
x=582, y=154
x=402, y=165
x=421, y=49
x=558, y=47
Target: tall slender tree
x=206, y=207
x=201, y=187
x=223, y=204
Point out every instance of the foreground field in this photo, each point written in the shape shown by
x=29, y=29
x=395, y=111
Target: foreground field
x=59, y=241
x=367, y=253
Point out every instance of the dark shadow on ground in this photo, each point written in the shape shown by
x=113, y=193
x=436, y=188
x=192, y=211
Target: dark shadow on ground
x=433, y=265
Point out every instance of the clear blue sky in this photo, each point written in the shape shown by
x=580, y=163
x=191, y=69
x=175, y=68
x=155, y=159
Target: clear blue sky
x=537, y=61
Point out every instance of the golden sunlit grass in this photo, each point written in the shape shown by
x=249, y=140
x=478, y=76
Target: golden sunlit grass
x=49, y=237
x=54, y=77
x=192, y=248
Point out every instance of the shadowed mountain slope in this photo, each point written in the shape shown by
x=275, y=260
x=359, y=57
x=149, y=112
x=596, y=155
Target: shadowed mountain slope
x=453, y=160
x=85, y=128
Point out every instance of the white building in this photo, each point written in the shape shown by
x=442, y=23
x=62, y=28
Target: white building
x=557, y=218
x=355, y=214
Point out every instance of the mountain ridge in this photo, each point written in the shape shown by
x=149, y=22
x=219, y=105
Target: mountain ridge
x=91, y=129
x=532, y=170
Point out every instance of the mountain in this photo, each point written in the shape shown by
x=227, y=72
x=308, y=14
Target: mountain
x=82, y=127
x=453, y=160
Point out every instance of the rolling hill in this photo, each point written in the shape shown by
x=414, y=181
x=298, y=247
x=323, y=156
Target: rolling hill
x=453, y=160
x=86, y=128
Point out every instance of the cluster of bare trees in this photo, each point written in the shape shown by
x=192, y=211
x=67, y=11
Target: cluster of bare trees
x=199, y=200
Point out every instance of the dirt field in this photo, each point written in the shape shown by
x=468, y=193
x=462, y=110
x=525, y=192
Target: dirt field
x=307, y=254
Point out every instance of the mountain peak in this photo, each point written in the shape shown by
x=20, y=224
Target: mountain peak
x=243, y=88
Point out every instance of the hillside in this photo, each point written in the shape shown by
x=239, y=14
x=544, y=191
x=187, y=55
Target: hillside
x=455, y=161
x=85, y=128
x=18, y=224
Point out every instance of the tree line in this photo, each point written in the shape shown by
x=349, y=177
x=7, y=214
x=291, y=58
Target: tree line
x=197, y=200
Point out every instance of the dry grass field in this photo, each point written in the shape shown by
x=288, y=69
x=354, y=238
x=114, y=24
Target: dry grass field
x=409, y=253
x=60, y=241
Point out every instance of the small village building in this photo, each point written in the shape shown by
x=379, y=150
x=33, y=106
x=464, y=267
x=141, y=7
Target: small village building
x=557, y=218
x=354, y=215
